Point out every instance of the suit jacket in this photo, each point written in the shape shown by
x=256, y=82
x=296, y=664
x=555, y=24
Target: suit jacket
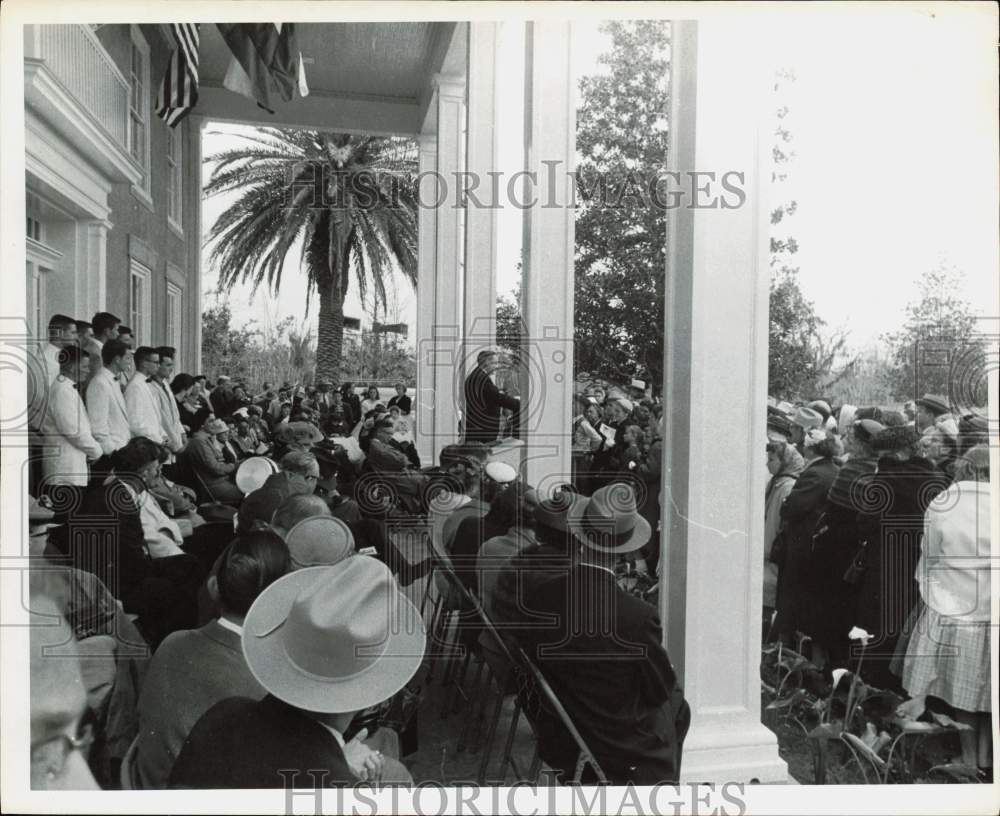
x=190, y=672
x=108, y=414
x=483, y=401
x=206, y=461
x=602, y=652
x=66, y=427
x=244, y=743
x=143, y=409
x=170, y=417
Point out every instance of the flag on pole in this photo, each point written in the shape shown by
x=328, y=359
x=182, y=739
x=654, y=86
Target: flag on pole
x=266, y=63
x=179, y=89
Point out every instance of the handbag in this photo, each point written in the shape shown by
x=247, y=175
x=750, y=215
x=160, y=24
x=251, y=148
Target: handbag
x=855, y=572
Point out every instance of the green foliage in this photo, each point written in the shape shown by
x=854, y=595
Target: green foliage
x=621, y=239
x=510, y=325
x=937, y=351
x=349, y=199
x=255, y=356
x=381, y=357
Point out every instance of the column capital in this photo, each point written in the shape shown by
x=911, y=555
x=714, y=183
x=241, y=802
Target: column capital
x=449, y=84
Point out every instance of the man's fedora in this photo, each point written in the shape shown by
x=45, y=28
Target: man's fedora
x=934, y=403
x=609, y=522
x=334, y=639
x=319, y=541
x=808, y=418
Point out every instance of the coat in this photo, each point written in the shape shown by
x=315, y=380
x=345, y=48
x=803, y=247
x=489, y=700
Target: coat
x=190, y=672
x=244, y=743
x=108, y=414
x=804, y=505
x=606, y=663
x=143, y=409
x=483, y=401
x=66, y=428
x=170, y=418
x=778, y=490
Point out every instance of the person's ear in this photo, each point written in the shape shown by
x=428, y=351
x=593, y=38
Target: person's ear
x=213, y=588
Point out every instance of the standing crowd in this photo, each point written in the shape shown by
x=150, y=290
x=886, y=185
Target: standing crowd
x=877, y=523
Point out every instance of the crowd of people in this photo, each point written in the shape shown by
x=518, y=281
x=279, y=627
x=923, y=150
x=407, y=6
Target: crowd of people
x=877, y=522
x=224, y=558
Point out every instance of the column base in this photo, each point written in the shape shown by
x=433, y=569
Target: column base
x=727, y=751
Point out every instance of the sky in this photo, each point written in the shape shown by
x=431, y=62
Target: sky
x=893, y=125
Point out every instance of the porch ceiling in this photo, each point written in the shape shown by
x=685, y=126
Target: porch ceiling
x=371, y=77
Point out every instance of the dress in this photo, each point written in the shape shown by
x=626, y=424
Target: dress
x=948, y=655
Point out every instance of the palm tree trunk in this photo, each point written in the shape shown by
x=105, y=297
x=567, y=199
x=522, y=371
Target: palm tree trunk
x=330, y=334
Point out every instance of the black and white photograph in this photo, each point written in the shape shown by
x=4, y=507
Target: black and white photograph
x=529, y=407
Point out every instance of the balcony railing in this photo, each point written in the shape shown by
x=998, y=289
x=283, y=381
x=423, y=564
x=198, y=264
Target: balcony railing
x=76, y=58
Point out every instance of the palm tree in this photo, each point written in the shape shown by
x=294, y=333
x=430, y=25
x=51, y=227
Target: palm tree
x=350, y=199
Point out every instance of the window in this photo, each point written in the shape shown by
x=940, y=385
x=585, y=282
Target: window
x=35, y=277
x=34, y=229
x=138, y=302
x=138, y=106
x=175, y=176
x=175, y=302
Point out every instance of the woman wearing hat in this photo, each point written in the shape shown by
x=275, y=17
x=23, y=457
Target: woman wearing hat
x=890, y=521
x=205, y=457
x=948, y=656
x=803, y=506
x=831, y=608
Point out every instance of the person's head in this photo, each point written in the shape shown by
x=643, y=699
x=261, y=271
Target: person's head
x=371, y=392
x=897, y=441
x=974, y=465
x=928, y=408
x=400, y=390
x=614, y=411
x=242, y=425
x=139, y=458
x=127, y=336
x=937, y=446
x=488, y=360
x=860, y=437
x=84, y=332
x=296, y=508
x=464, y=464
x=215, y=428
x=301, y=469
x=818, y=444
x=147, y=361
x=255, y=412
x=105, y=326
x=73, y=363
x=598, y=393
x=114, y=354
x=58, y=702
x=284, y=410
x=166, y=368
x=592, y=413
x=783, y=458
x=239, y=392
x=383, y=429
x=182, y=385
x=309, y=638
x=250, y=564
x=633, y=435
x=62, y=330
x=910, y=410
x=394, y=412
x=199, y=384
x=513, y=506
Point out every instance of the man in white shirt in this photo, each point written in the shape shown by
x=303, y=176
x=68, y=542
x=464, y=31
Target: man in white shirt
x=105, y=401
x=62, y=332
x=104, y=326
x=140, y=400
x=128, y=338
x=69, y=442
x=170, y=418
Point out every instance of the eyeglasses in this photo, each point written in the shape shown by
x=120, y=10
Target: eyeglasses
x=53, y=754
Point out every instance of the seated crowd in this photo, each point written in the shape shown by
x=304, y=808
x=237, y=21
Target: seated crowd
x=877, y=523
x=234, y=554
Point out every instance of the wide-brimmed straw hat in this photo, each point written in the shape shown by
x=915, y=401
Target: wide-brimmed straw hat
x=934, y=403
x=319, y=541
x=334, y=639
x=610, y=522
x=215, y=426
x=807, y=418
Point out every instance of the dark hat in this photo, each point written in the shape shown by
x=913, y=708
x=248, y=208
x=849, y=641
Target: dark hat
x=778, y=422
x=934, y=403
x=895, y=438
x=973, y=424
x=867, y=429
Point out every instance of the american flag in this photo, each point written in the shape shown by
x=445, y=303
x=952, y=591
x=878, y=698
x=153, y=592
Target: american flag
x=179, y=89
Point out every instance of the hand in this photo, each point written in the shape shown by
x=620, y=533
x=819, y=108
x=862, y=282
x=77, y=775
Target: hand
x=364, y=763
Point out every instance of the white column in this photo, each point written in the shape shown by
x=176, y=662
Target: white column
x=550, y=147
x=446, y=332
x=717, y=276
x=480, y=212
x=424, y=402
x=192, y=294
x=96, y=274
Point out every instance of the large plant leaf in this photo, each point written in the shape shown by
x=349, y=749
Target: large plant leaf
x=862, y=748
x=957, y=771
x=788, y=701
x=947, y=722
x=825, y=731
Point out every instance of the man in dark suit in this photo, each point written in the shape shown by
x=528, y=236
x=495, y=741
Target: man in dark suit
x=601, y=649
x=308, y=640
x=194, y=669
x=483, y=401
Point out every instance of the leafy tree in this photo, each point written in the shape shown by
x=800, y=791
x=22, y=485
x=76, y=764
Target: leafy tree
x=622, y=141
x=510, y=324
x=349, y=199
x=379, y=357
x=937, y=350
